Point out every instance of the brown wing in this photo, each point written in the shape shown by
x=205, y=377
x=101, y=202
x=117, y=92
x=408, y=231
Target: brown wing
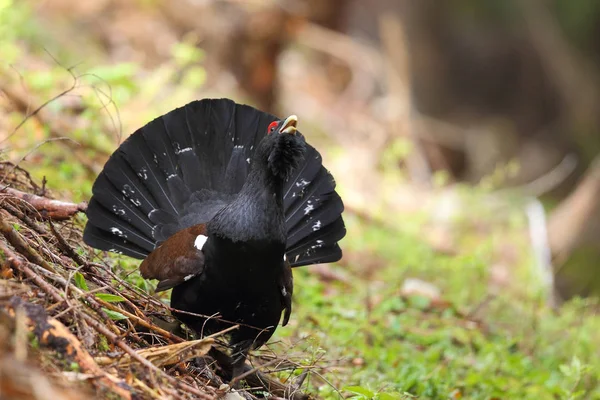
x=287, y=287
x=176, y=260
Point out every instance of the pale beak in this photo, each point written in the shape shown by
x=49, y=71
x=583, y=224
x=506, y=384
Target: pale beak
x=289, y=125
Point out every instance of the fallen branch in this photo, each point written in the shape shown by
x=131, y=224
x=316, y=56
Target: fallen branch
x=48, y=208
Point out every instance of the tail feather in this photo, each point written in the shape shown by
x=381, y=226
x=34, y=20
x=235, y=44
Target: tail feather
x=316, y=196
x=178, y=128
x=321, y=255
x=103, y=240
x=237, y=170
x=316, y=220
x=303, y=176
x=312, y=206
x=122, y=207
x=180, y=193
x=182, y=168
x=246, y=125
x=320, y=246
x=125, y=181
x=107, y=221
x=327, y=236
x=156, y=137
x=137, y=155
x=209, y=124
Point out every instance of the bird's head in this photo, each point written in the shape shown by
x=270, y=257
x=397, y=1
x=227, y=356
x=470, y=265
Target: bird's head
x=282, y=148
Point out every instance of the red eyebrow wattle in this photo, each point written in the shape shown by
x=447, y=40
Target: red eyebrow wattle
x=272, y=125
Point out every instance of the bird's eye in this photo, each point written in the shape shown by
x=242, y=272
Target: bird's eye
x=272, y=127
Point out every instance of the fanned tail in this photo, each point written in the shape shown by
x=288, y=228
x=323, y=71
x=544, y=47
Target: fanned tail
x=180, y=169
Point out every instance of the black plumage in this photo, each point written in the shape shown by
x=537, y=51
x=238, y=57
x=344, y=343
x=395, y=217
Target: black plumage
x=220, y=200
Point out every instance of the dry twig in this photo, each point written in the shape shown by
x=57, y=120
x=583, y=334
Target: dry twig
x=48, y=208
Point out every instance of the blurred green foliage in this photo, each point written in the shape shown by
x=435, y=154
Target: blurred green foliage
x=99, y=91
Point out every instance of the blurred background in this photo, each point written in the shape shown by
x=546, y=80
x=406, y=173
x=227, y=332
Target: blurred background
x=464, y=137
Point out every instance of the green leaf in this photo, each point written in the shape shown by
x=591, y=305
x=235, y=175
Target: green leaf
x=386, y=396
x=80, y=281
x=144, y=285
x=110, y=298
x=360, y=390
x=114, y=315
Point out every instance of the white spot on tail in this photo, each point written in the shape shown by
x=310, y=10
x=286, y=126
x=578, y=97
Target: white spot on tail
x=283, y=291
x=316, y=226
x=248, y=160
x=302, y=183
x=309, y=207
x=318, y=245
x=238, y=146
x=117, y=231
x=118, y=211
x=142, y=173
x=115, y=251
x=171, y=176
x=199, y=242
x=127, y=190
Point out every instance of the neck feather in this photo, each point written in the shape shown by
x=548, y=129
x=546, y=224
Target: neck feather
x=257, y=211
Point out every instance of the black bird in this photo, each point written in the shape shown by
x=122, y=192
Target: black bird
x=220, y=200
